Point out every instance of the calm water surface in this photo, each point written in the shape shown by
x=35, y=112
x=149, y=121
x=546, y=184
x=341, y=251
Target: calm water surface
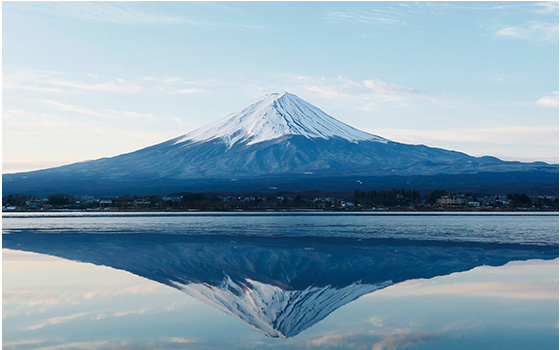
x=281, y=281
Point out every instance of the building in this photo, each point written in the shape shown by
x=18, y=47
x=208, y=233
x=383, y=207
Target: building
x=116, y=202
x=452, y=202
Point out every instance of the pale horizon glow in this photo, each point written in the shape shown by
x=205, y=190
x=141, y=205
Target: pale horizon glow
x=87, y=80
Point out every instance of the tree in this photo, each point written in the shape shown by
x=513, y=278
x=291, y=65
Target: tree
x=520, y=200
x=434, y=195
x=61, y=199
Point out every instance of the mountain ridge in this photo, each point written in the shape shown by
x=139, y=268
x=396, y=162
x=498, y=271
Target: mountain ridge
x=281, y=137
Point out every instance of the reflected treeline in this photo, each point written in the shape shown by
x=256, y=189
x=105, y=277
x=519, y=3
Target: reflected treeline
x=279, y=286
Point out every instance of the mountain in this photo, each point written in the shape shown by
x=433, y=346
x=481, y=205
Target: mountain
x=274, y=116
x=283, y=142
x=280, y=286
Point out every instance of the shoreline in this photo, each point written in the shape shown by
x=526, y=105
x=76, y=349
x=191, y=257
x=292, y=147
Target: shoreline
x=293, y=211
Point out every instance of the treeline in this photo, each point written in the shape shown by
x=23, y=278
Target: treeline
x=390, y=198
x=398, y=199
x=248, y=201
x=17, y=200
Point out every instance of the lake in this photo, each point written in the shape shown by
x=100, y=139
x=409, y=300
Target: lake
x=280, y=280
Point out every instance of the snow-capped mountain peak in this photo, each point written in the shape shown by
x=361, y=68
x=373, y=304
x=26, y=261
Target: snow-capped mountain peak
x=273, y=116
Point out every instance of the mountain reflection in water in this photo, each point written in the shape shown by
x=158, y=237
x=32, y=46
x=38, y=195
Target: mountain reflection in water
x=279, y=286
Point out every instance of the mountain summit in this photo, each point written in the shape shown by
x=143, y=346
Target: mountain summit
x=284, y=143
x=273, y=116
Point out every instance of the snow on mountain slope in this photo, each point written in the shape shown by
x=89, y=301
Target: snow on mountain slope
x=273, y=116
x=273, y=311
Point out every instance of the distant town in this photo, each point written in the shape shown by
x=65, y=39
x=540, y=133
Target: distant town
x=359, y=200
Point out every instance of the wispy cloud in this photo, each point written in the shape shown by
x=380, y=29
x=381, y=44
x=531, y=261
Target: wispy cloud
x=127, y=13
x=188, y=91
x=179, y=340
x=372, y=16
x=375, y=340
x=130, y=312
x=501, y=290
x=132, y=290
x=473, y=141
x=503, y=134
x=85, y=345
x=32, y=299
x=106, y=121
x=162, y=343
x=370, y=94
x=71, y=108
x=534, y=31
x=545, y=7
x=58, y=82
x=404, y=338
x=57, y=320
x=54, y=127
x=22, y=343
x=108, y=12
x=374, y=92
x=522, y=281
x=549, y=100
x=50, y=82
x=90, y=315
x=331, y=339
x=104, y=112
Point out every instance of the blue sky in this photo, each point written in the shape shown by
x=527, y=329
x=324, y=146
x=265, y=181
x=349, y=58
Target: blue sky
x=85, y=80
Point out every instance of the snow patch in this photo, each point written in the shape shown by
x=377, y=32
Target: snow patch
x=273, y=116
